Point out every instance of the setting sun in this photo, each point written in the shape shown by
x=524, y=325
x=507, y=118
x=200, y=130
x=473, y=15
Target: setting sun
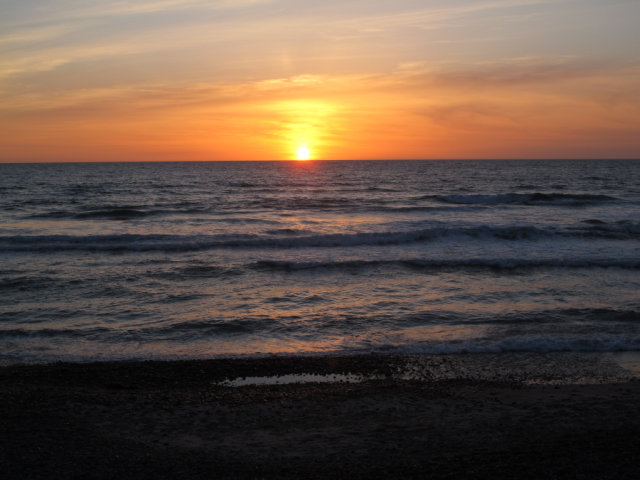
x=303, y=153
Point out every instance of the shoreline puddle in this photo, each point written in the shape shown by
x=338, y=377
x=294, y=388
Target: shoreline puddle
x=297, y=378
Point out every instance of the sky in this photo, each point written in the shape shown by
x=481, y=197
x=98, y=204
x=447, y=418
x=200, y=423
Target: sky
x=157, y=80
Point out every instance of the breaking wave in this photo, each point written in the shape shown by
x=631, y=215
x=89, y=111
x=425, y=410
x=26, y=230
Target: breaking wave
x=291, y=238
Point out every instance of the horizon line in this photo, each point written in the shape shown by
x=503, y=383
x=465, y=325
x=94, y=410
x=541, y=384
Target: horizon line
x=517, y=159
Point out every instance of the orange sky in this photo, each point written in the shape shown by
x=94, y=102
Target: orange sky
x=256, y=79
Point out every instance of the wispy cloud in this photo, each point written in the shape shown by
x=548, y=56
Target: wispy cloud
x=448, y=90
x=515, y=72
x=433, y=17
x=65, y=11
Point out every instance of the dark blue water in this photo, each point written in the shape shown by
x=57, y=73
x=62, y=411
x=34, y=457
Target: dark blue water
x=150, y=260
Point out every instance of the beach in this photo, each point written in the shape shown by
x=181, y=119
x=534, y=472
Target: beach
x=508, y=415
x=347, y=319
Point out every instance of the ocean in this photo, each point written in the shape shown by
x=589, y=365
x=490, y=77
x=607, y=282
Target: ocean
x=113, y=261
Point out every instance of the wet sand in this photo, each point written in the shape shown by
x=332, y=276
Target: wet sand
x=520, y=416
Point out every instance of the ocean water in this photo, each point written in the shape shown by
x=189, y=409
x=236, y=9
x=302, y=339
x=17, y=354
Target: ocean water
x=195, y=260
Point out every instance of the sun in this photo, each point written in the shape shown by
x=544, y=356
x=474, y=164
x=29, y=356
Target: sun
x=303, y=152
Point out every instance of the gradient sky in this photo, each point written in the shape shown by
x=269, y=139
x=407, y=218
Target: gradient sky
x=89, y=80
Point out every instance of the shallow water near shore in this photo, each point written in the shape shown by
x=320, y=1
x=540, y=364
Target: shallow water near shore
x=561, y=368
x=630, y=361
x=183, y=260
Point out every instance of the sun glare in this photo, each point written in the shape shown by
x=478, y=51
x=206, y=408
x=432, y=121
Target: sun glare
x=303, y=153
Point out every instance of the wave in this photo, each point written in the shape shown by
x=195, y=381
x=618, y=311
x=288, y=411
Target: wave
x=306, y=202
x=309, y=203
x=24, y=282
x=497, y=264
x=132, y=213
x=53, y=333
x=571, y=316
x=561, y=199
x=119, y=212
x=191, y=330
x=623, y=229
x=286, y=231
x=457, y=209
x=594, y=342
x=578, y=330
x=290, y=239
x=113, y=213
x=194, y=272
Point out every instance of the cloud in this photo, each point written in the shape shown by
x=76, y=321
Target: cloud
x=502, y=107
x=508, y=76
x=72, y=10
x=53, y=34
x=446, y=90
x=565, y=76
x=432, y=17
x=50, y=35
x=30, y=36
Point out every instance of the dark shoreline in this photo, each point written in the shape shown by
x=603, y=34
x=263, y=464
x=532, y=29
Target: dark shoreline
x=459, y=416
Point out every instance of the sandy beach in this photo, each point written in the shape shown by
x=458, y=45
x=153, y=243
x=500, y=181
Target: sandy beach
x=564, y=415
